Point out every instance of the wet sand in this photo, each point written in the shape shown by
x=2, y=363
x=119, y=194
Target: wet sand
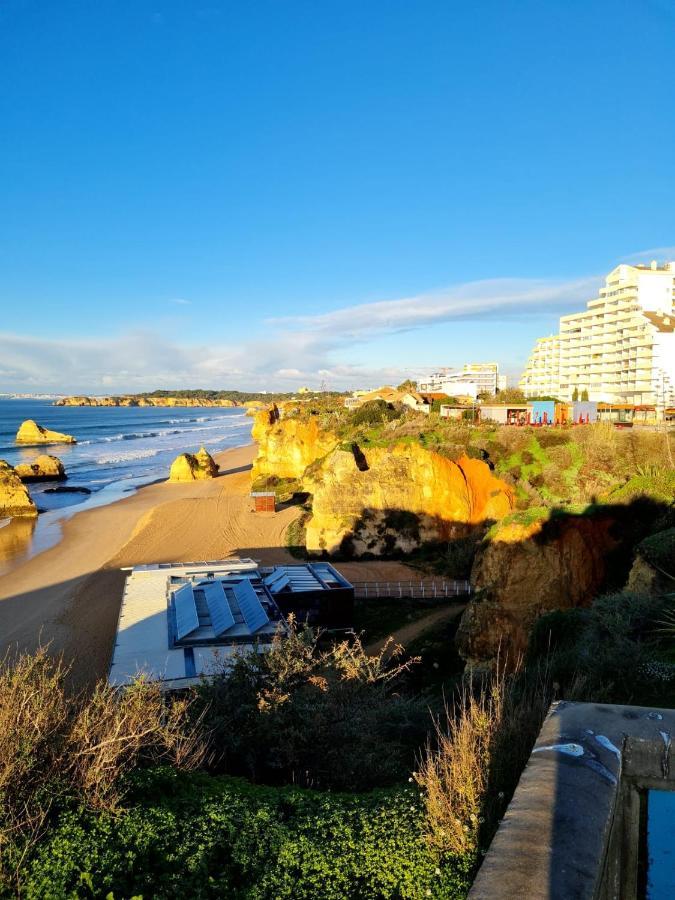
x=69, y=596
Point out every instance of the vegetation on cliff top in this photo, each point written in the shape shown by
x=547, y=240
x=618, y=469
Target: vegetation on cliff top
x=546, y=466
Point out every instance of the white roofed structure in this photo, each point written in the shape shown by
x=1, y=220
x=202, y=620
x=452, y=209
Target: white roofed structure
x=181, y=622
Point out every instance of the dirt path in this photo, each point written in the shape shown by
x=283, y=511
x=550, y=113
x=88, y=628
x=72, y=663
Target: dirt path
x=410, y=632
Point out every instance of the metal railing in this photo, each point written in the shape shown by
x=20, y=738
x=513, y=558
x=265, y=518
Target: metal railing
x=416, y=590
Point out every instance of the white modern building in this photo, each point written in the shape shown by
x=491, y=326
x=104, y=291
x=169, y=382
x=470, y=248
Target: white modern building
x=541, y=378
x=472, y=379
x=621, y=349
x=180, y=622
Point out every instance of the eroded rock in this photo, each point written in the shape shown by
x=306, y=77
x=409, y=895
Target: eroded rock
x=382, y=500
x=14, y=497
x=31, y=433
x=193, y=467
x=286, y=447
x=529, y=565
x=43, y=468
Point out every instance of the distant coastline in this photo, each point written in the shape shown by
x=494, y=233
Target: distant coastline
x=181, y=398
x=140, y=400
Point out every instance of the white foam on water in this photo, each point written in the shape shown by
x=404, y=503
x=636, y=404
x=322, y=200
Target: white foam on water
x=126, y=456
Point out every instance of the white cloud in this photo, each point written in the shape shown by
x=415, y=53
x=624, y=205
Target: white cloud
x=180, y=301
x=294, y=350
x=473, y=300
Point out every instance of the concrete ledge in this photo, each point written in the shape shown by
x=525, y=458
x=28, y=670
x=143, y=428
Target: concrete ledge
x=556, y=834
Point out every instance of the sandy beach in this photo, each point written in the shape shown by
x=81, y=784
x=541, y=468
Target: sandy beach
x=69, y=596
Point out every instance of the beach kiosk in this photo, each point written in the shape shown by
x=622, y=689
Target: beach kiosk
x=264, y=501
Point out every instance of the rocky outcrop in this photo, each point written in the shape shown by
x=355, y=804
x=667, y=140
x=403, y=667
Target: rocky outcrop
x=528, y=565
x=193, y=467
x=287, y=446
x=136, y=400
x=14, y=497
x=31, y=433
x=43, y=468
x=653, y=568
x=383, y=500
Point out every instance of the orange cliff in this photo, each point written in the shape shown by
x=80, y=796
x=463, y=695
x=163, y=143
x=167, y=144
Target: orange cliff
x=286, y=447
x=384, y=500
x=376, y=500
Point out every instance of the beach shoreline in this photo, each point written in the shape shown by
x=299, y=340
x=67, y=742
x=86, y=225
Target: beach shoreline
x=68, y=596
x=64, y=596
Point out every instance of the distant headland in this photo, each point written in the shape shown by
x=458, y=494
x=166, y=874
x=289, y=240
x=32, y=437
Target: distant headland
x=200, y=398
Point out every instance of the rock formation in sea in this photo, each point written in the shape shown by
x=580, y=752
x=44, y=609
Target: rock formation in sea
x=43, y=468
x=193, y=467
x=530, y=564
x=31, y=433
x=14, y=497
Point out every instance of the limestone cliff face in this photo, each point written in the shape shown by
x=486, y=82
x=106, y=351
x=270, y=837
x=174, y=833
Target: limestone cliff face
x=14, y=497
x=391, y=499
x=43, y=468
x=524, y=570
x=131, y=400
x=286, y=447
x=193, y=467
x=31, y=433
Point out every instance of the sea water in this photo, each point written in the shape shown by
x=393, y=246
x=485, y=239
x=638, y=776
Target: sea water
x=118, y=450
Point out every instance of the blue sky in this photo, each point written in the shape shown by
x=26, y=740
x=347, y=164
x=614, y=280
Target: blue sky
x=263, y=194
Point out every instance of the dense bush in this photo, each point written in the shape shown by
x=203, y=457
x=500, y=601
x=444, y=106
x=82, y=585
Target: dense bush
x=329, y=718
x=471, y=768
x=198, y=836
x=375, y=412
x=659, y=550
x=597, y=653
x=55, y=745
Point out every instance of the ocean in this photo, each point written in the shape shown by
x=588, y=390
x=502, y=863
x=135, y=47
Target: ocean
x=118, y=450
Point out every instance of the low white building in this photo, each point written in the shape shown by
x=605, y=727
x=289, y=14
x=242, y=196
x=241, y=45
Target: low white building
x=181, y=622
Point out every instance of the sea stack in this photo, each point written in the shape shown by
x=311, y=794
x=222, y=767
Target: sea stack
x=193, y=467
x=32, y=433
x=14, y=497
x=43, y=468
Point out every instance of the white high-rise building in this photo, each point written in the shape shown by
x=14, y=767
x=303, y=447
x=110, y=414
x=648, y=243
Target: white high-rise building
x=620, y=350
x=541, y=378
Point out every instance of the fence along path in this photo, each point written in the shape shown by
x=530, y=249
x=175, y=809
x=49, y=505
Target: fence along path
x=416, y=590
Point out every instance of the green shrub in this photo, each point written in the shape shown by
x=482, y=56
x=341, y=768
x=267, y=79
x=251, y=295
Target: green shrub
x=375, y=412
x=559, y=630
x=327, y=717
x=602, y=648
x=206, y=837
x=659, y=550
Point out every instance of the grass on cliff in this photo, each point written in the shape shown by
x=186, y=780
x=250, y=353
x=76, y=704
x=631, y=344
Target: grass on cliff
x=546, y=466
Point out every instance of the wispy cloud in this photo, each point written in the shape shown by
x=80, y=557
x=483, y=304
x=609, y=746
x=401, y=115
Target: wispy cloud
x=472, y=300
x=294, y=350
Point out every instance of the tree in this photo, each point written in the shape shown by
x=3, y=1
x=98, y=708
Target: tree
x=407, y=385
x=584, y=394
x=506, y=395
x=575, y=395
